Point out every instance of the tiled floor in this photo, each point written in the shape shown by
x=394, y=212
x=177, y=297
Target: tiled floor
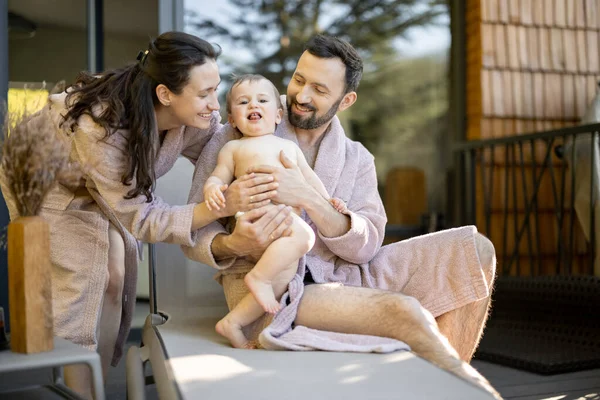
x=511, y=383
x=523, y=385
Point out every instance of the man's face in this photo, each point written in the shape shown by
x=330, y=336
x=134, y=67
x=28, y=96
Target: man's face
x=316, y=90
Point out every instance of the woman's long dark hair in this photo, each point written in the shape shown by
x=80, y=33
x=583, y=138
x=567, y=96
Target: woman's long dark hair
x=127, y=97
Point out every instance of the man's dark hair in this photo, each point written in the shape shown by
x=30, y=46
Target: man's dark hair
x=325, y=46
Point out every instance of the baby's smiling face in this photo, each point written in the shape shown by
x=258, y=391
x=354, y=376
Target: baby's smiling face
x=255, y=109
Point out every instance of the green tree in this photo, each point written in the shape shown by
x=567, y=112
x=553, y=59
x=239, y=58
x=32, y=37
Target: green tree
x=401, y=113
x=275, y=30
x=397, y=100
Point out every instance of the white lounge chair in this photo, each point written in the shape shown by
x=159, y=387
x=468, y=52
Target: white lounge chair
x=190, y=361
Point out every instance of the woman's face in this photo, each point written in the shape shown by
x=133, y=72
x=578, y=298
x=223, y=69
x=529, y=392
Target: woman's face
x=198, y=99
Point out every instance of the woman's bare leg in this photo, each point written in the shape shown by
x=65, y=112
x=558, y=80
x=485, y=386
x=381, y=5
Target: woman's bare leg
x=78, y=377
x=112, y=306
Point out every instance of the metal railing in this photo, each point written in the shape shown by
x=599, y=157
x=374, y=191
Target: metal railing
x=534, y=195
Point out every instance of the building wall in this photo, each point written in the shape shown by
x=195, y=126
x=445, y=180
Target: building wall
x=58, y=53
x=532, y=64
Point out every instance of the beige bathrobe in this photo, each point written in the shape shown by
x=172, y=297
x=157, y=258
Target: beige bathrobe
x=441, y=270
x=79, y=221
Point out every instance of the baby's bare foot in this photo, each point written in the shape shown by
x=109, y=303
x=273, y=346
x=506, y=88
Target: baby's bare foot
x=338, y=204
x=262, y=292
x=253, y=344
x=233, y=332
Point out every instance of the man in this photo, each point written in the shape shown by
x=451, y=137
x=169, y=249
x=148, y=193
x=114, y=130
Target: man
x=448, y=274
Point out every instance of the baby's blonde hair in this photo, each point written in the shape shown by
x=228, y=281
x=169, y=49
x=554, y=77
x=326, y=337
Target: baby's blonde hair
x=251, y=78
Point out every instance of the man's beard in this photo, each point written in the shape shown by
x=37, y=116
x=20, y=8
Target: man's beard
x=312, y=122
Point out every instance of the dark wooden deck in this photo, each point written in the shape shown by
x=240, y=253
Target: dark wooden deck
x=522, y=385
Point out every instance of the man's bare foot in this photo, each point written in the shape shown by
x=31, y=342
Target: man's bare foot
x=233, y=332
x=262, y=292
x=470, y=374
x=447, y=358
x=338, y=204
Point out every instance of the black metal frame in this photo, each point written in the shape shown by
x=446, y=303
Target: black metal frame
x=457, y=106
x=95, y=38
x=473, y=157
x=4, y=217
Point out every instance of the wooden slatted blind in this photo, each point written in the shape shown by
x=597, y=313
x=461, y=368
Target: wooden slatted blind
x=532, y=65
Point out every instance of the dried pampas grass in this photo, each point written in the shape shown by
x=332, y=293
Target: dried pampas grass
x=34, y=159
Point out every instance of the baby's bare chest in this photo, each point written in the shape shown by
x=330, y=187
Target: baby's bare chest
x=251, y=153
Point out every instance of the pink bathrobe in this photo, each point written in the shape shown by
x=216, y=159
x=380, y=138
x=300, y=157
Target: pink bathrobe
x=442, y=270
x=79, y=222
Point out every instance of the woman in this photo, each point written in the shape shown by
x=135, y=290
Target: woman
x=126, y=127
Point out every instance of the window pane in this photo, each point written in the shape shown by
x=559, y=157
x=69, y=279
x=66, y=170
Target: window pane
x=401, y=111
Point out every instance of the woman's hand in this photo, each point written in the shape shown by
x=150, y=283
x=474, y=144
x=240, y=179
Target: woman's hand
x=292, y=184
x=249, y=192
x=257, y=229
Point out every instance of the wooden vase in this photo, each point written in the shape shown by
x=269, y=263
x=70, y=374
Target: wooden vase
x=29, y=285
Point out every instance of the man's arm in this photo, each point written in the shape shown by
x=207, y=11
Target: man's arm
x=357, y=235
x=367, y=216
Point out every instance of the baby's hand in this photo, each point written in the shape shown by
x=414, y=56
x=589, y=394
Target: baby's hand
x=213, y=196
x=338, y=204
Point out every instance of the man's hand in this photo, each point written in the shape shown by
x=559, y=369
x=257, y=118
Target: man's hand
x=257, y=229
x=293, y=188
x=249, y=192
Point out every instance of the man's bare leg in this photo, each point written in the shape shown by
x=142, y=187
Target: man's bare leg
x=345, y=309
x=464, y=326
x=78, y=377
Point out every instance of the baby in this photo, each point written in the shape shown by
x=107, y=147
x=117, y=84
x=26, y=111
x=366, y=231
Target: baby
x=255, y=109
